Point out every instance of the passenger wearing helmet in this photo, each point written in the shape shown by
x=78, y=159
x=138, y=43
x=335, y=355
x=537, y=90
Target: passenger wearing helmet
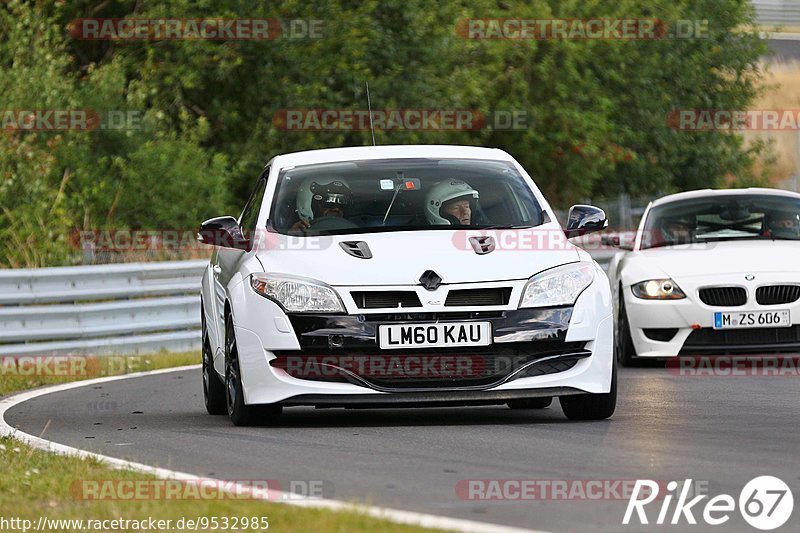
x=678, y=230
x=783, y=225
x=450, y=202
x=318, y=200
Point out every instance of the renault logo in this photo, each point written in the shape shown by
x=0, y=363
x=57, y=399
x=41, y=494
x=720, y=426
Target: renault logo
x=430, y=280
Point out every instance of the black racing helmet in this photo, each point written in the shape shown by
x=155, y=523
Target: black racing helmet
x=335, y=193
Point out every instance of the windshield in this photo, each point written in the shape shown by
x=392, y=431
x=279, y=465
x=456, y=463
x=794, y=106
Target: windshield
x=719, y=218
x=402, y=195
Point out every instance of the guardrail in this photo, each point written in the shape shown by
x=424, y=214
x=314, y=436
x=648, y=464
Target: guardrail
x=101, y=309
x=778, y=12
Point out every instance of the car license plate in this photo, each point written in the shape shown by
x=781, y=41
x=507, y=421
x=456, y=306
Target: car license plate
x=440, y=335
x=752, y=319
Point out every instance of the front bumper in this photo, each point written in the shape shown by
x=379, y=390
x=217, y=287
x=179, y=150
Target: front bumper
x=588, y=371
x=670, y=328
x=427, y=398
x=581, y=335
x=344, y=349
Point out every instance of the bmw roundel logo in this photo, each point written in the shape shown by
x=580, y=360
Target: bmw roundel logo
x=749, y=277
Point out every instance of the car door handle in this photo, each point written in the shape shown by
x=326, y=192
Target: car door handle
x=217, y=269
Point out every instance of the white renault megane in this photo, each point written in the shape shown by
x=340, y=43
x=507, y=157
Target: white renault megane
x=711, y=272
x=372, y=277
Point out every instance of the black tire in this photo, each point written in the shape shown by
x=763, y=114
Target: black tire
x=623, y=344
x=592, y=406
x=213, y=387
x=240, y=413
x=531, y=403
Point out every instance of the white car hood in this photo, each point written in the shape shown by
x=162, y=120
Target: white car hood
x=400, y=258
x=731, y=257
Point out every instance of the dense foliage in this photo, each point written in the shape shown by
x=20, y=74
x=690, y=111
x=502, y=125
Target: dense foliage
x=596, y=109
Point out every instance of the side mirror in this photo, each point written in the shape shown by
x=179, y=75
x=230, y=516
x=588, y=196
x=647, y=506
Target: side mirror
x=224, y=232
x=583, y=219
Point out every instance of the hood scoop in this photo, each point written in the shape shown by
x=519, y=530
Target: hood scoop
x=357, y=249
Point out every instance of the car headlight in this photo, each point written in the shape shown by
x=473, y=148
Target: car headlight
x=297, y=295
x=557, y=286
x=657, y=289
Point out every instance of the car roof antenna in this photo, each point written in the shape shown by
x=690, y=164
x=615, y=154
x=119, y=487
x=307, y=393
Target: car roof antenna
x=369, y=107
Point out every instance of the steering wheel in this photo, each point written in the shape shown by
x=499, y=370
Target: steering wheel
x=331, y=223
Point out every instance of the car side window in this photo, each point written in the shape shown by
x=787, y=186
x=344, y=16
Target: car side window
x=249, y=216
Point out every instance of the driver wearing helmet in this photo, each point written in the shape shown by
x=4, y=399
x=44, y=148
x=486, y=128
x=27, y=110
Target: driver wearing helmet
x=450, y=202
x=783, y=225
x=317, y=200
x=678, y=230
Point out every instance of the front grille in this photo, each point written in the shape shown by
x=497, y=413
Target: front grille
x=424, y=369
x=385, y=299
x=419, y=317
x=767, y=340
x=723, y=296
x=468, y=297
x=777, y=294
x=341, y=333
x=549, y=367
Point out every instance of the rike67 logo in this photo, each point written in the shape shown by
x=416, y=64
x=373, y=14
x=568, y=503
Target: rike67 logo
x=765, y=503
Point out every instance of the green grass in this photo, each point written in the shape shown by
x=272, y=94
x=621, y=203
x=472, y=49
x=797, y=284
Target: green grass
x=36, y=483
x=13, y=376
x=779, y=29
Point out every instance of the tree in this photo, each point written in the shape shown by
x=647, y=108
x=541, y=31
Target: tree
x=597, y=109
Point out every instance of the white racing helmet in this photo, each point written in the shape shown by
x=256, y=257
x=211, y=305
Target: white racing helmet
x=315, y=191
x=443, y=192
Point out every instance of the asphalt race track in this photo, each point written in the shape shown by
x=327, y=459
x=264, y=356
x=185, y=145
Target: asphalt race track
x=719, y=431
x=785, y=50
